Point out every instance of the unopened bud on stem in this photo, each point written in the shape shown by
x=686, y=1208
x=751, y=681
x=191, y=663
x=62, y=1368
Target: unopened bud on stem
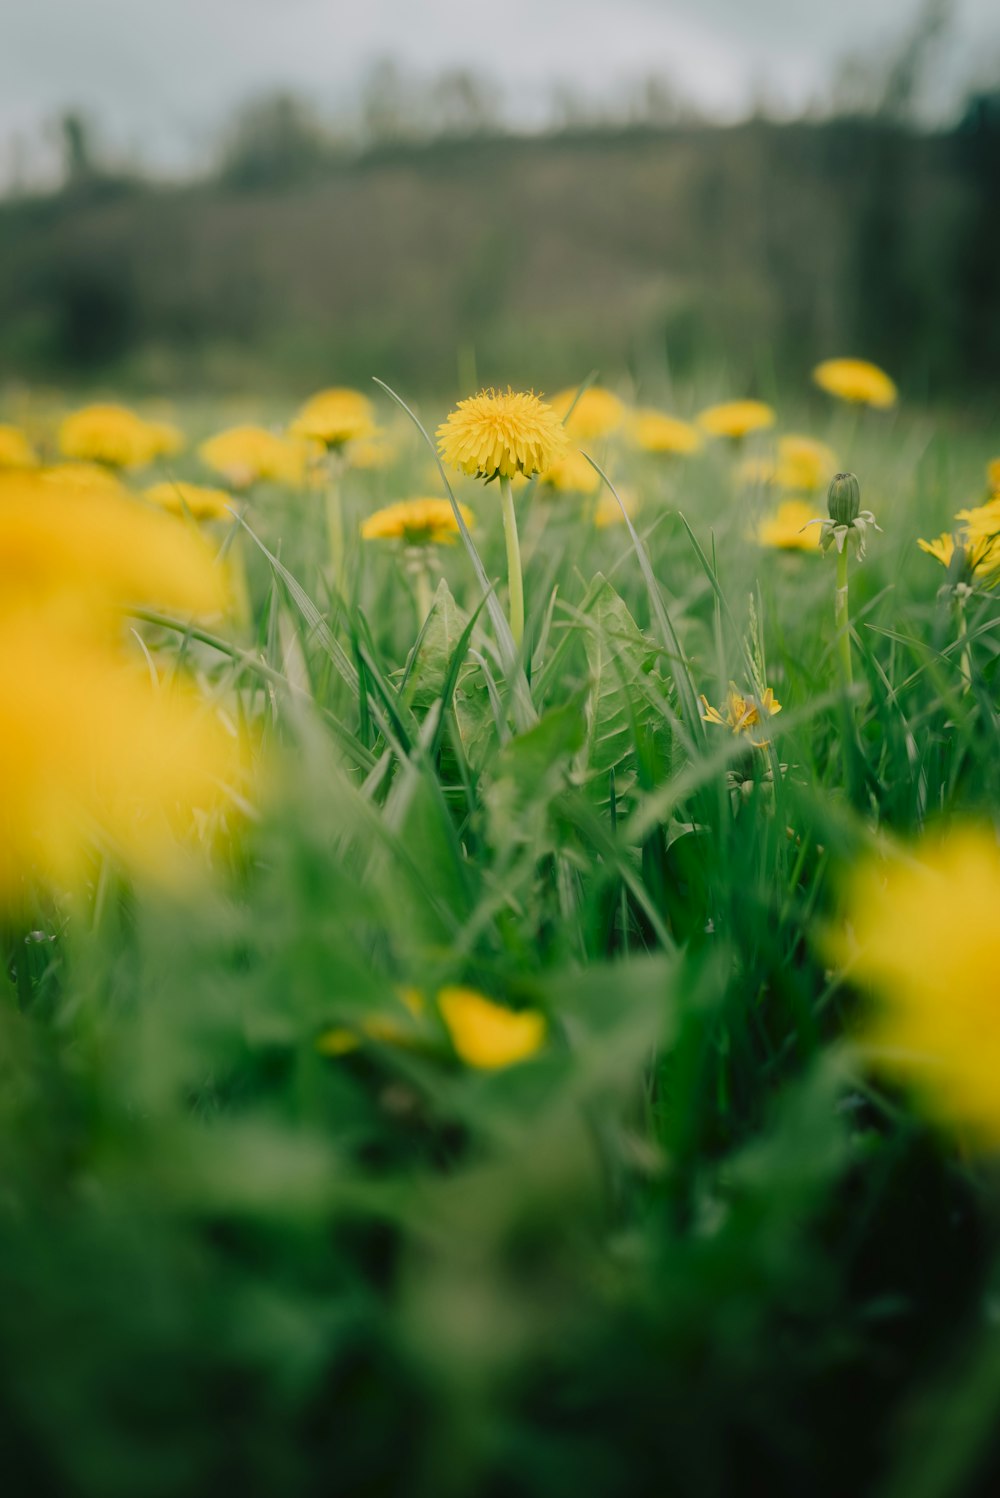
x=844, y=498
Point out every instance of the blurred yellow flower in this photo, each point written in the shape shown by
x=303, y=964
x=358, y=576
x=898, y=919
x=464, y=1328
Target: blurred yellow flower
x=502, y=433
x=245, y=455
x=993, y=475
x=417, y=522
x=857, y=381
x=371, y=452
x=165, y=439
x=654, y=432
x=83, y=478
x=193, y=499
x=742, y=714
x=982, y=522
x=981, y=554
x=786, y=528
x=609, y=512
x=335, y=417
x=487, y=1035
x=804, y=465
x=596, y=414
x=736, y=418
x=110, y=434
x=15, y=449
x=572, y=474
x=922, y=931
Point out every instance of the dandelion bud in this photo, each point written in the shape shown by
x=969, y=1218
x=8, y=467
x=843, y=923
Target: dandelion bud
x=844, y=499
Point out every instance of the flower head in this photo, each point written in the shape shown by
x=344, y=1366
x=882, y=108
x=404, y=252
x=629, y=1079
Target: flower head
x=416, y=522
x=193, y=499
x=654, y=432
x=789, y=528
x=922, y=931
x=857, y=381
x=743, y=714
x=15, y=449
x=848, y=523
x=497, y=433
x=110, y=434
x=589, y=414
x=572, y=474
x=804, y=465
x=335, y=417
x=246, y=455
x=736, y=418
x=487, y=1035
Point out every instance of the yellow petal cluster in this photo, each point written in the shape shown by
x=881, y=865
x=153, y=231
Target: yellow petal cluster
x=595, y=414
x=416, y=522
x=736, y=419
x=246, y=455
x=856, y=381
x=335, y=417
x=113, y=435
x=742, y=714
x=15, y=449
x=502, y=433
x=922, y=932
x=653, y=431
x=978, y=537
x=197, y=500
x=789, y=528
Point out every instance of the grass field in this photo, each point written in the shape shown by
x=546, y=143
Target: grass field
x=484, y=1101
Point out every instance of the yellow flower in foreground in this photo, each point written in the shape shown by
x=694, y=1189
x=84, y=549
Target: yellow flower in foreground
x=654, y=432
x=742, y=714
x=609, y=511
x=245, y=455
x=736, y=418
x=596, y=414
x=925, y=936
x=993, y=475
x=110, y=434
x=487, y=1035
x=501, y=433
x=857, y=381
x=789, y=528
x=15, y=449
x=571, y=475
x=417, y=522
x=334, y=417
x=192, y=499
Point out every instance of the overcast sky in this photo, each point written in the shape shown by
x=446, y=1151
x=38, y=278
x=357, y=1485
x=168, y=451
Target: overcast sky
x=160, y=75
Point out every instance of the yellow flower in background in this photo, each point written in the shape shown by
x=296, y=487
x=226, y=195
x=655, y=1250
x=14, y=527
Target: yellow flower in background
x=942, y=548
x=372, y=452
x=335, y=417
x=82, y=478
x=417, y=522
x=993, y=475
x=245, y=455
x=736, y=418
x=487, y=1035
x=982, y=522
x=193, y=499
x=922, y=932
x=857, y=381
x=502, y=433
x=804, y=464
x=981, y=555
x=166, y=440
x=742, y=714
x=110, y=434
x=596, y=414
x=609, y=511
x=653, y=431
x=15, y=449
x=571, y=475
x=787, y=528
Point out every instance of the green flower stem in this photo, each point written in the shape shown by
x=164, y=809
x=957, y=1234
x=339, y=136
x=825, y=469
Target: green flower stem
x=842, y=620
x=335, y=527
x=515, y=580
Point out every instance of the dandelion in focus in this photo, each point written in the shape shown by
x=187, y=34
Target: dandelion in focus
x=856, y=381
x=736, y=419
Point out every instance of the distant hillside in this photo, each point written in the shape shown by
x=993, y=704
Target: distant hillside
x=525, y=259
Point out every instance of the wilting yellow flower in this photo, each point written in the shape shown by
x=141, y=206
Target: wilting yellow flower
x=335, y=417
x=654, y=432
x=596, y=414
x=417, y=522
x=743, y=714
x=857, y=381
x=110, y=434
x=193, y=499
x=487, y=1035
x=609, y=511
x=15, y=449
x=789, y=528
x=993, y=475
x=85, y=478
x=736, y=418
x=245, y=455
x=502, y=433
x=572, y=474
x=923, y=932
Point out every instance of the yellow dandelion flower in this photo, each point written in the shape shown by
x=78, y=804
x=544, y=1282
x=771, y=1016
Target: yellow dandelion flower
x=736, y=418
x=993, y=475
x=596, y=414
x=942, y=548
x=857, y=381
x=742, y=714
x=15, y=449
x=109, y=434
x=922, y=932
x=246, y=455
x=572, y=474
x=416, y=522
x=502, y=433
x=654, y=432
x=335, y=417
x=82, y=478
x=166, y=440
x=789, y=528
x=609, y=511
x=804, y=465
x=487, y=1035
x=980, y=553
x=191, y=499
x=982, y=522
